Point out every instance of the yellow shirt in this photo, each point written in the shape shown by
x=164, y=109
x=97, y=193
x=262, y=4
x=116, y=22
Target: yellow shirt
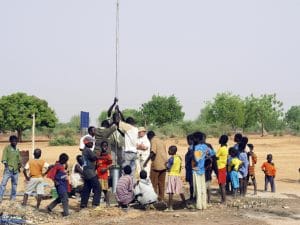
x=175, y=169
x=235, y=164
x=222, y=154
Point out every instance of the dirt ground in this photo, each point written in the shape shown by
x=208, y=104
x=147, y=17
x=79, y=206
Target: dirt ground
x=282, y=207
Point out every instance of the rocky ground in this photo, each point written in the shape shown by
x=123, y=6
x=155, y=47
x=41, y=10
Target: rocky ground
x=265, y=208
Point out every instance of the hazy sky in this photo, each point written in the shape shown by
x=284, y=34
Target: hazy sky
x=64, y=51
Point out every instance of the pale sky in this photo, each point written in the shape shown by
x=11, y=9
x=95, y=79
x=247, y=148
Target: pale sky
x=63, y=51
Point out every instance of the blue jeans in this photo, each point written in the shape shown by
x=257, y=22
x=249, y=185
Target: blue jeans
x=14, y=182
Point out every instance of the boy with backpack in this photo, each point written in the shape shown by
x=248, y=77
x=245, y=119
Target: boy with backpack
x=60, y=177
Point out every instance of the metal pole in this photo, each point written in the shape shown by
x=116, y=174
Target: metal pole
x=117, y=49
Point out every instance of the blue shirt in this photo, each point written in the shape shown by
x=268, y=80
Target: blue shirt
x=200, y=152
x=244, y=169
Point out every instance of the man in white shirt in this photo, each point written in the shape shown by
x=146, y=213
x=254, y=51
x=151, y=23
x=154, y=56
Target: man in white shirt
x=143, y=151
x=130, y=137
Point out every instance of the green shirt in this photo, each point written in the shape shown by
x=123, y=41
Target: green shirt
x=12, y=157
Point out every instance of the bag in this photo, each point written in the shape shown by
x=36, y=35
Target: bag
x=53, y=171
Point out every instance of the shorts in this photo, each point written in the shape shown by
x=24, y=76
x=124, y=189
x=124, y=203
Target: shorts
x=103, y=184
x=35, y=185
x=222, y=176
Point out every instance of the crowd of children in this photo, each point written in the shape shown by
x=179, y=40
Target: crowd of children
x=233, y=167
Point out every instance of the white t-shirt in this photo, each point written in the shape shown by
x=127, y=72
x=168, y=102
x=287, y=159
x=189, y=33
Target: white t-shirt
x=82, y=145
x=145, y=141
x=145, y=188
x=131, y=136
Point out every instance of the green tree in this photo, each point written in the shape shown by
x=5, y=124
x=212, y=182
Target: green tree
x=18, y=109
x=292, y=117
x=75, y=123
x=102, y=116
x=161, y=110
x=266, y=110
x=227, y=109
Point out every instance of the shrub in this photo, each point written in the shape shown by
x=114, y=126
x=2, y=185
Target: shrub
x=60, y=140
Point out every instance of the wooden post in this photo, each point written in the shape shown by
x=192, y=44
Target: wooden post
x=33, y=133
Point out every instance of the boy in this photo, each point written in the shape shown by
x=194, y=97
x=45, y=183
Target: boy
x=270, y=172
x=234, y=167
x=222, y=156
x=35, y=180
x=60, y=177
x=175, y=185
x=252, y=161
x=104, y=161
x=144, y=192
x=12, y=162
x=208, y=177
x=77, y=175
x=90, y=177
x=200, y=151
x=189, y=157
x=124, y=190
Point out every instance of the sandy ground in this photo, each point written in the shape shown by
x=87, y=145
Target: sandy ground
x=265, y=208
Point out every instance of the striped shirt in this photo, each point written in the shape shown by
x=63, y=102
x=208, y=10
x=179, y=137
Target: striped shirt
x=124, y=190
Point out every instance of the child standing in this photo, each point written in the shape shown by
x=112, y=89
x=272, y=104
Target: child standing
x=104, y=161
x=270, y=172
x=175, y=185
x=233, y=168
x=35, y=181
x=60, y=177
x=222, y=156
x=252, y=161
x=208, y=178
x=189, y=156
x=200, y=152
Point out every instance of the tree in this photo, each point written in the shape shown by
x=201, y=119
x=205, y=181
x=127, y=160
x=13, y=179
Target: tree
x=161, y=110
x=227, y=109
x=266, y=110
x=292, y=117
x=18, y=109
x=102, y=116
x=75, y=123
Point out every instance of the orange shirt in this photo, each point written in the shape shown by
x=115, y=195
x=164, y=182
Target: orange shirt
x=269, y=169
x=35, y=167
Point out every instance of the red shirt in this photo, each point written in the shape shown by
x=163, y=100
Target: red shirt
x=103, y=163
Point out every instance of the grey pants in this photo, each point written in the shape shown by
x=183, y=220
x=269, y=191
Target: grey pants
x=129, y=159
x=62, y=198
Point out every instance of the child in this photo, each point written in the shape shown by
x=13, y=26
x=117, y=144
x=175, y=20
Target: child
x=59, y=175
x=175, y=185
x=77, y=175
x=243, y=171
x=270, y=171
x=234, y=166
x=35, y=181
x=124, y=189
x=104, y=161
x=208, y=178
x=252, y=161
x=200, y=151
x=222, y=156
x=144, y=192
x=189, y=156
